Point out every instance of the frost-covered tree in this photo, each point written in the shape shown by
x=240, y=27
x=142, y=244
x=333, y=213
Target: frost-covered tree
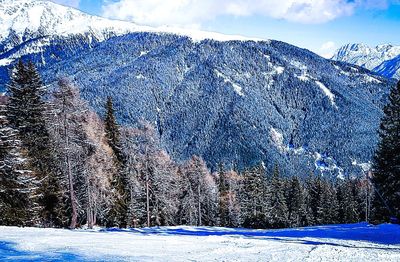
x=228, y=204
x=323, y=200
x=348, y=206
x=94, y=194
x=254, y=204
x=386, y=169
x=70, y=140
x=18, y=206
x=117, y=215
x=277, y=217
x=152, y=179
x=199, y=198
x=298, y=213
x=26, y=111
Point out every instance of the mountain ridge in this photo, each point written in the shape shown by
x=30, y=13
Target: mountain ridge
x=384, y=59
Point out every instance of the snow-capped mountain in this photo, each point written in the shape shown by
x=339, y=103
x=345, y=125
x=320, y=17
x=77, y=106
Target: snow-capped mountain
x=32, y=24
x=237, y=102
x=383, y=59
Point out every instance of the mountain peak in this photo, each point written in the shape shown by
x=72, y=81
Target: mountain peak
x=372, y=58
x=29, y=19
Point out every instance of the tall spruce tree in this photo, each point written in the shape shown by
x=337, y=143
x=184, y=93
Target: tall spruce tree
x=386, y=174
x=17, y=183
x=296, y=203
x=254, y=197
x=278, y=215
x=118, y=213
x=26, y=111
x=348, y=207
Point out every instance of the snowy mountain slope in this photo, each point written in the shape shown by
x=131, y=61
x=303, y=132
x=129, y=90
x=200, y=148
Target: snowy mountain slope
x=355, y=242
x=238, y=102
x=383, y=59
x=28, y=25
x=233, y=102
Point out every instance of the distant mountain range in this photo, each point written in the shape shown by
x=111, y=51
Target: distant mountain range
x=382, y=59
x=226, y=98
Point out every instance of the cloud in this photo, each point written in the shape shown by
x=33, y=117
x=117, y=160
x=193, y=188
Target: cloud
x=192, y=12
x=73, y=3
x=327, y=49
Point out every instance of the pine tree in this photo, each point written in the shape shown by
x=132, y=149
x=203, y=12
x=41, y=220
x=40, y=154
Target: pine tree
x=386, y=174
x=296, y=203
x=17, y=184
x=277, y=217
x=112, y=130
x=118, y=213
x=254, y=204
x=348, y=207
x=26, y=111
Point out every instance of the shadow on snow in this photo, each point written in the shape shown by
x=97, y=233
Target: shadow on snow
x=8, y=252
x=382, y=234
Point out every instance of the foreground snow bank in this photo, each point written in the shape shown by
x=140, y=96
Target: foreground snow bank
x=357, y=242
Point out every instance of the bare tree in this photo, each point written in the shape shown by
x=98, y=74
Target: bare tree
x=69, y=112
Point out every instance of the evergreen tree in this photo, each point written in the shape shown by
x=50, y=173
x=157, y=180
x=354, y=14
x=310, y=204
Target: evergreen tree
x=348, y=207
x=17, y=184
x=296, y=203
x=118, y=213
x=26, y=112
x=112, y=130
x=386, y=174
x=278, y=215
x=254, y=195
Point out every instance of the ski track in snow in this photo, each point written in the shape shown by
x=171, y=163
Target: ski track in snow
x=355, y=242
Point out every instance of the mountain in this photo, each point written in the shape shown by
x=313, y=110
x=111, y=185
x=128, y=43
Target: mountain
x=382, y=59
x=224, y=98
x=32, y=24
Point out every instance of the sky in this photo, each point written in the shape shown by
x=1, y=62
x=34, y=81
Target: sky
x=321, y=26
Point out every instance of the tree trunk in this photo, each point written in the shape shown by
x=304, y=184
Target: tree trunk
x=199, y=202
x=74, y=215
x=147, y=197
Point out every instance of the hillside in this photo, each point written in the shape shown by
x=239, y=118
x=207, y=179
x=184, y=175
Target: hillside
x=238, y=102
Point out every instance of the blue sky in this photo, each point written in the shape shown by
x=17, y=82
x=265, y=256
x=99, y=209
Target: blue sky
x=318, y=25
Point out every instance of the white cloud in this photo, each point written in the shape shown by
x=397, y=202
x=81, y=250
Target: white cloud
x=327, y=49
x=195, y=12
x=73, y=3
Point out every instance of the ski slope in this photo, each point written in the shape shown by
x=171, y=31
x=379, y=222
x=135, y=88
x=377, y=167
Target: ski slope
x=356, y=242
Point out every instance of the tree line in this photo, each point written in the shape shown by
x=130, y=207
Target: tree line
x=61, y=165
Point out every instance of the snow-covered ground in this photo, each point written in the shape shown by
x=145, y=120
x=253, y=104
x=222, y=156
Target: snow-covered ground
x=357, y=242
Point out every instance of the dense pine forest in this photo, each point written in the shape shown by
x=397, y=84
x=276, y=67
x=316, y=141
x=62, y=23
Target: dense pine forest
x=62, y=165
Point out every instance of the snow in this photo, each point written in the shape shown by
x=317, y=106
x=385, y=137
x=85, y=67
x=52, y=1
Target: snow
x=354, y=242
x=277, y=138
x=5, y=61
x=327, y=164
x=57, y=20
x=366, y=56
x=279, y=69
x=327, y=92
x=370, y=79
x=236, y=87
x=140, y=76
x=364, y=166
